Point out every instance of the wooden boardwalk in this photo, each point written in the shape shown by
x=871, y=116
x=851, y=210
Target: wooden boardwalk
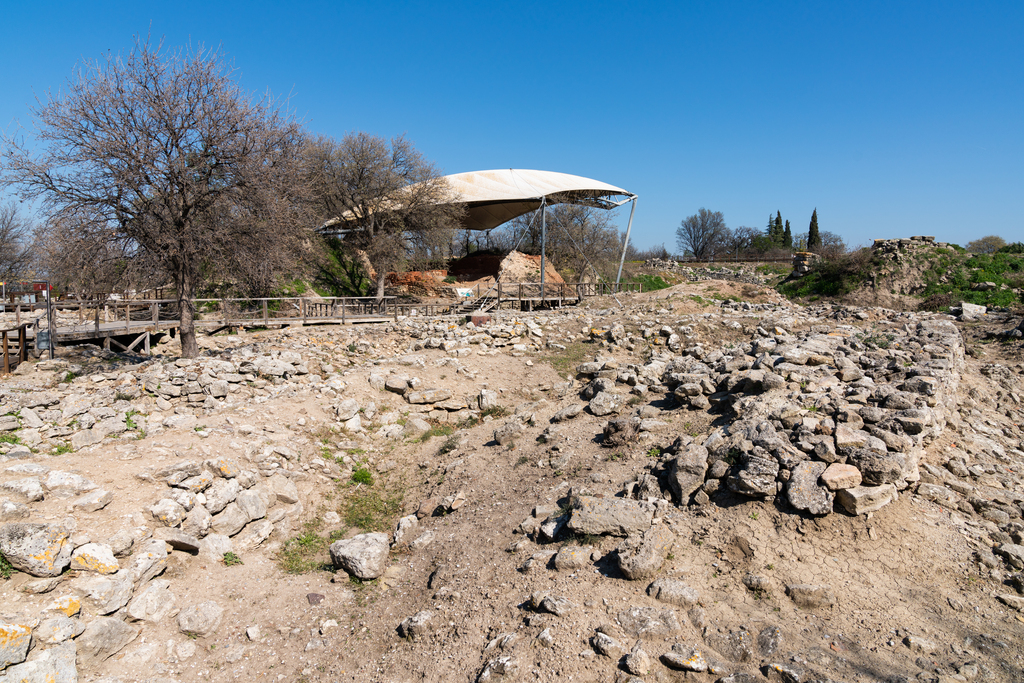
x=127, y=325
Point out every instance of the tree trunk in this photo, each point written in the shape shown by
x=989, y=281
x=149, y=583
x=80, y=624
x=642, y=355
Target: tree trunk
x=187, y=330
x=381, y=277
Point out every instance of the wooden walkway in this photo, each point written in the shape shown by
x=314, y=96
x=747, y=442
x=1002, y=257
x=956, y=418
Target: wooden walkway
x=129, y=325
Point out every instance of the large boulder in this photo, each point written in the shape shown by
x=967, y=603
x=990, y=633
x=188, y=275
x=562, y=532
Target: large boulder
x=364, y=556
x=861, y=500
x=641, y=557
x=14, y=642
x=36, y=549
x=687, y=472
x=757, y=478
x=805, y=492
x=104, y=637
x=608, y=516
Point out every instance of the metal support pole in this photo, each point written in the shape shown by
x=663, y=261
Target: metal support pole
x=625, y=243
x=49, y=321
x=543, y=244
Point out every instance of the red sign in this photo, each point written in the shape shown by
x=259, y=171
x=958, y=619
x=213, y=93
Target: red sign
x=40, y=286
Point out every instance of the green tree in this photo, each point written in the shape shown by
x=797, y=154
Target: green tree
x=776, y=233
x=989, y=244
x=787, y=237
x=813, y=236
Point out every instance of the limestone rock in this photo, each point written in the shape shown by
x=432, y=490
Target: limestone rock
x=105, y=594
x=364, y=556
x=104, y=637
x=811, y=596
x=57, y=630
x=428, y=396
x=687, y=472
x=804, y=491
x=284, y=488
x=608, y=516
x=220, y=494
x=864, y=499
x=36, y=549
x=417, y=625
x=94, y=557
x=685, y=658
x=200, y=620
x=572, y=557
x=92, y=502
x=53, y=665
x=168, y=512
x=153, y=603
x=606, y=403
x=674, y=592
x=14, y=642
x=230, y=521
x=757, y=478
x=567, y=413
x=839, y=476
x=641, y=557
x=28, y=489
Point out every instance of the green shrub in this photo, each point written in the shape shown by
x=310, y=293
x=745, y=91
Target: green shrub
x=361, y=475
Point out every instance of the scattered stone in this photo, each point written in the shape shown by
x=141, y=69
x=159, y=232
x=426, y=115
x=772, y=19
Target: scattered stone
x=200, y=620
x=416, y=626
x=673, y=591
x=810, y=596
x=153, y=603
x=641, y=557
x=364, y=556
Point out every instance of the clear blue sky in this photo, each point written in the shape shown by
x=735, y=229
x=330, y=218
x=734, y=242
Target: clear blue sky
x=892, y=118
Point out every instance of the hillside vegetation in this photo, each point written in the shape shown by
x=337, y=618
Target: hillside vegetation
x=915, y=274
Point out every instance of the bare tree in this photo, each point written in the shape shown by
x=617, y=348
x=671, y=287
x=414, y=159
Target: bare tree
x=702, y=233
x=15, y=243
x=383, y=198
x=151, y=152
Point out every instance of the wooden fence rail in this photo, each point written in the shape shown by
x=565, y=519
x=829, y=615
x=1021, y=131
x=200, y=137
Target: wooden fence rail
x=22, y=353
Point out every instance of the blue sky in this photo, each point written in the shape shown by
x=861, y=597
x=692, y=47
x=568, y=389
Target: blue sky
x=891, y=118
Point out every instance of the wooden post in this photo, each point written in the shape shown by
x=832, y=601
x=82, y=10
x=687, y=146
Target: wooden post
x=17, y=314
x=302, y=308
x=127, y=316
x=343, y=311
x=155, y=310
x=266, y=318
x=97, y=317
x=146, y=344
x=224, y=311
x=81, y=312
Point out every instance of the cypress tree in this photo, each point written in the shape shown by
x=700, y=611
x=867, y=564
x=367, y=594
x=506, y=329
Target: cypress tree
x=787, y=237
x=777, y=234
x=813, y=238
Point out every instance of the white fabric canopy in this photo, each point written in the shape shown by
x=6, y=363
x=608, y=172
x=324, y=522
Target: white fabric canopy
x=496, y=197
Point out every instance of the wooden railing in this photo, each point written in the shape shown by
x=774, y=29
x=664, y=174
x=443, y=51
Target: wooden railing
x=22, y=354
x=106, y=315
